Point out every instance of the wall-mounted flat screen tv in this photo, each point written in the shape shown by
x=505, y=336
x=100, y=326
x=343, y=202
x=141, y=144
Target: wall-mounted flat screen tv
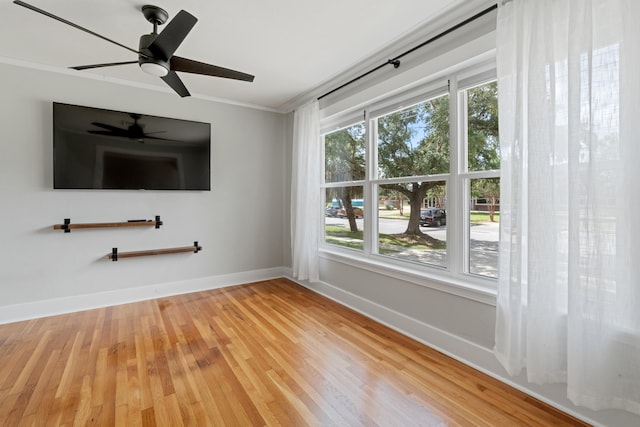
x=103, y=149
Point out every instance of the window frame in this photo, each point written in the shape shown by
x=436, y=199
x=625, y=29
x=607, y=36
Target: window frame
x=464, y=174
x=455, y=277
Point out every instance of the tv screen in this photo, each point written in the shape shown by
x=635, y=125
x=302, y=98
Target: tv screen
x=104, y=149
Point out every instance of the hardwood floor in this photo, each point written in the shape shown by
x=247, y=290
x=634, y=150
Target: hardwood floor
x=269, y=353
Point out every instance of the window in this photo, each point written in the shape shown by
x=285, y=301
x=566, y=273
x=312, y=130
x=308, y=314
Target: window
x=482, y=177
x=416, y=184
x=412, y=152
x=344, y=163
x=344, y=216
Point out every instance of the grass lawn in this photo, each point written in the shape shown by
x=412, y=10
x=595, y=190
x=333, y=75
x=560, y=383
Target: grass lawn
x=344, y=237
x=477, y=217
x=390, y=243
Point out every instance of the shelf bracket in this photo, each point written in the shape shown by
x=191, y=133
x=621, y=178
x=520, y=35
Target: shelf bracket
x=67, y=226
x=115, y=255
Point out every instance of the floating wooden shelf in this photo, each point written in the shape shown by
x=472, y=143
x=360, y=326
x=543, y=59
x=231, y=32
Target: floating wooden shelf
x=67, y=226
x=115, y=255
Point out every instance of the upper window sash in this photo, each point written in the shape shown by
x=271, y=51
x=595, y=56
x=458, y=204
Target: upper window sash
x=341, y=121
x=408, y=98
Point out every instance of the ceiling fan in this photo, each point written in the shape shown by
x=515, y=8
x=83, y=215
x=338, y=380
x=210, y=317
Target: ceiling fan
x=133, y=131
x=155, y=52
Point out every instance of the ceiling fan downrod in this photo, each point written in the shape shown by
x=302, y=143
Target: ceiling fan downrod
x=156, y=15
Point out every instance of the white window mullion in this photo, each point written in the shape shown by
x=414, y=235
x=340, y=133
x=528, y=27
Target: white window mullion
x=481, y=174
x=454, y=190
x=323, y=192
x=341, y=184
x=466, y=225
x=464, y=184
x=370, y=232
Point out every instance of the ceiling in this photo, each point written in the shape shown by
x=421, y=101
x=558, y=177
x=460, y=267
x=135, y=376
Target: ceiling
x=291, y=46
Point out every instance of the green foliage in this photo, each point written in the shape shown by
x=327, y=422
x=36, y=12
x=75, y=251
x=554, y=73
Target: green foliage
x=345, y=161
x=415, y=141
x=488, y=188
x=484, y=149
x=345, y=154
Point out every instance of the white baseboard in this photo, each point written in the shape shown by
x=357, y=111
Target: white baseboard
x=467, y=352
x=52, y=307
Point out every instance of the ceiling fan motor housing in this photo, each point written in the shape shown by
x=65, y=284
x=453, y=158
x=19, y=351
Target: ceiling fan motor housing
x=147, y=57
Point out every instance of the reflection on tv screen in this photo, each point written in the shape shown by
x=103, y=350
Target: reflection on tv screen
x=104, y=149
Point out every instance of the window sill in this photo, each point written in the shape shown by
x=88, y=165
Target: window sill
x=476, y=289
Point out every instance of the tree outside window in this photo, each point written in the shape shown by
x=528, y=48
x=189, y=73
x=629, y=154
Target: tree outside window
x=345, y=151
x=411, y=176
x=483, y=166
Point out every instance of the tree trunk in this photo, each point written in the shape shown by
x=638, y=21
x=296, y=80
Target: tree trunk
x=415, y=201
x=416, y=197
x=492, y=209
x=348, y=207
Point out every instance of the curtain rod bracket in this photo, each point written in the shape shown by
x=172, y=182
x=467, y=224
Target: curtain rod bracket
x=395, y=62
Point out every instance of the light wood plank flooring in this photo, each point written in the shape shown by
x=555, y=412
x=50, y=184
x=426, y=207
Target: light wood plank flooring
x=269, y=353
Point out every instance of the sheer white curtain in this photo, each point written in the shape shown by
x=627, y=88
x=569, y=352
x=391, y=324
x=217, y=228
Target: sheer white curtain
x=305, y=192
x=569, y=290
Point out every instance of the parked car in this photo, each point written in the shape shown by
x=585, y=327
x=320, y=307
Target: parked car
x=331, y=211
x=433, y=217
x=358, y=212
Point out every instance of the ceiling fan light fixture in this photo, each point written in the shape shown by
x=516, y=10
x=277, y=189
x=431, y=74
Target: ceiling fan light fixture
x=154, y=69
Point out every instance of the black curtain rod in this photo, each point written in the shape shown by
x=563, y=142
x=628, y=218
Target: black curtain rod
x=396, y=61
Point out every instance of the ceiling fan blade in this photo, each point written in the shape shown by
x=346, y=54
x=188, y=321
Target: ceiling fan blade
x=148, y=136
x=108, y=133
x=190, y=66
x=64, y=21
x=126, y=135
x=172, y=36
x=108, y=127
x=110, y=64
x=176, y=84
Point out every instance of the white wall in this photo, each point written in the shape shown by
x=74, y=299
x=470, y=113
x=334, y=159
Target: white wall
x=240, y=223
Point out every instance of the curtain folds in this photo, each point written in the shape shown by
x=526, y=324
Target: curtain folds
x=305, y=192
x=568, y=306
